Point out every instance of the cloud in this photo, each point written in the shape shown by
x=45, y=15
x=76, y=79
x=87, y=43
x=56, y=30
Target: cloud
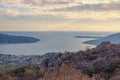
x=10, y=12
x=94, y=7
x=77, y=9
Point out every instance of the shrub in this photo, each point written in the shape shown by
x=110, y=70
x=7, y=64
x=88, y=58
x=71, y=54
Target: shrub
x=92, y=71
x=112, y=66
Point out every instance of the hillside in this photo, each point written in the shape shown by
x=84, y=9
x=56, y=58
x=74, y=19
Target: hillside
x=114, y=38
x=7, y=39
x=100, y=63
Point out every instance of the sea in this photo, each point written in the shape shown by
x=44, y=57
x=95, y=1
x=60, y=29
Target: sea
x=50, y=41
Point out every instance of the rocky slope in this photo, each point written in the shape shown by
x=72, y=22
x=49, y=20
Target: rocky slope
x=100, y=63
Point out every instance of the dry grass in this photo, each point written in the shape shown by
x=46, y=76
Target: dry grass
x=65, y=72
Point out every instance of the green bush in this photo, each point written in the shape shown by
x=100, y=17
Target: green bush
x=17, y=72
x=112, y=66
x=33, y=71
x=92, y=71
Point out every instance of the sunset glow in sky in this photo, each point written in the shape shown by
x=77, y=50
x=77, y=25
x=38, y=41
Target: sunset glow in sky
x=60, y=15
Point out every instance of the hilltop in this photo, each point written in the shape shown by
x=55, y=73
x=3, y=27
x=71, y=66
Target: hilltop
x=100, y=63
x=114, y=38
x=7, y=39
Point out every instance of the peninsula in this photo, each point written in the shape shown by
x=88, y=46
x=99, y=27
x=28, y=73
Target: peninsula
x=9, y=39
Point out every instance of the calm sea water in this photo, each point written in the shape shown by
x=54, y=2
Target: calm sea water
x=50, y=42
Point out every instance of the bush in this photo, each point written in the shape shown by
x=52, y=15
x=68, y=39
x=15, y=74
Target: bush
x=112, y=66
x=92, y=71
x=17, y=72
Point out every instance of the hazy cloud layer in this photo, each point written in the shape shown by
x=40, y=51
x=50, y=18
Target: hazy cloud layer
x=80, y=9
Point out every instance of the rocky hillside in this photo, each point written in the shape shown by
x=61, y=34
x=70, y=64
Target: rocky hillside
x=100, y=63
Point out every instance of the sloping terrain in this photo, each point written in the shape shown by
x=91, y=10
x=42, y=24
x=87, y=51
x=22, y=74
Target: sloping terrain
x=114, y=38
x=100, y=63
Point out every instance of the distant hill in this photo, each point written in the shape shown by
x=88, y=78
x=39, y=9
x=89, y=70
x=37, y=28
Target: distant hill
x=5, y=39
x=114, y=38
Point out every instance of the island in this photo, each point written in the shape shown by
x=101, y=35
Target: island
x=10, y=39
x=87, y=37
x=113, y=38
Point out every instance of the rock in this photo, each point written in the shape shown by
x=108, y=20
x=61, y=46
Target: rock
x=104, y=46
x=117, y=77
x=84, y=67
x=100, y=62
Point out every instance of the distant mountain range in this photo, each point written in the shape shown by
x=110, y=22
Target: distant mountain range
x=114, y=38
x=7, y=39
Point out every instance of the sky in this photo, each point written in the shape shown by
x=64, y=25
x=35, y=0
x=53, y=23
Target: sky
x=59, y=15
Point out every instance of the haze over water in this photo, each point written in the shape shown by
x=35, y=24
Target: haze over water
x=50, y=42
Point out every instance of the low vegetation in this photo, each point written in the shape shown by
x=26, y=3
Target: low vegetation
x=100, y=63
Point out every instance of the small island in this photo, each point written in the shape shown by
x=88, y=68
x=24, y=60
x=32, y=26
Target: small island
x=9, y=39
x=87, y=37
